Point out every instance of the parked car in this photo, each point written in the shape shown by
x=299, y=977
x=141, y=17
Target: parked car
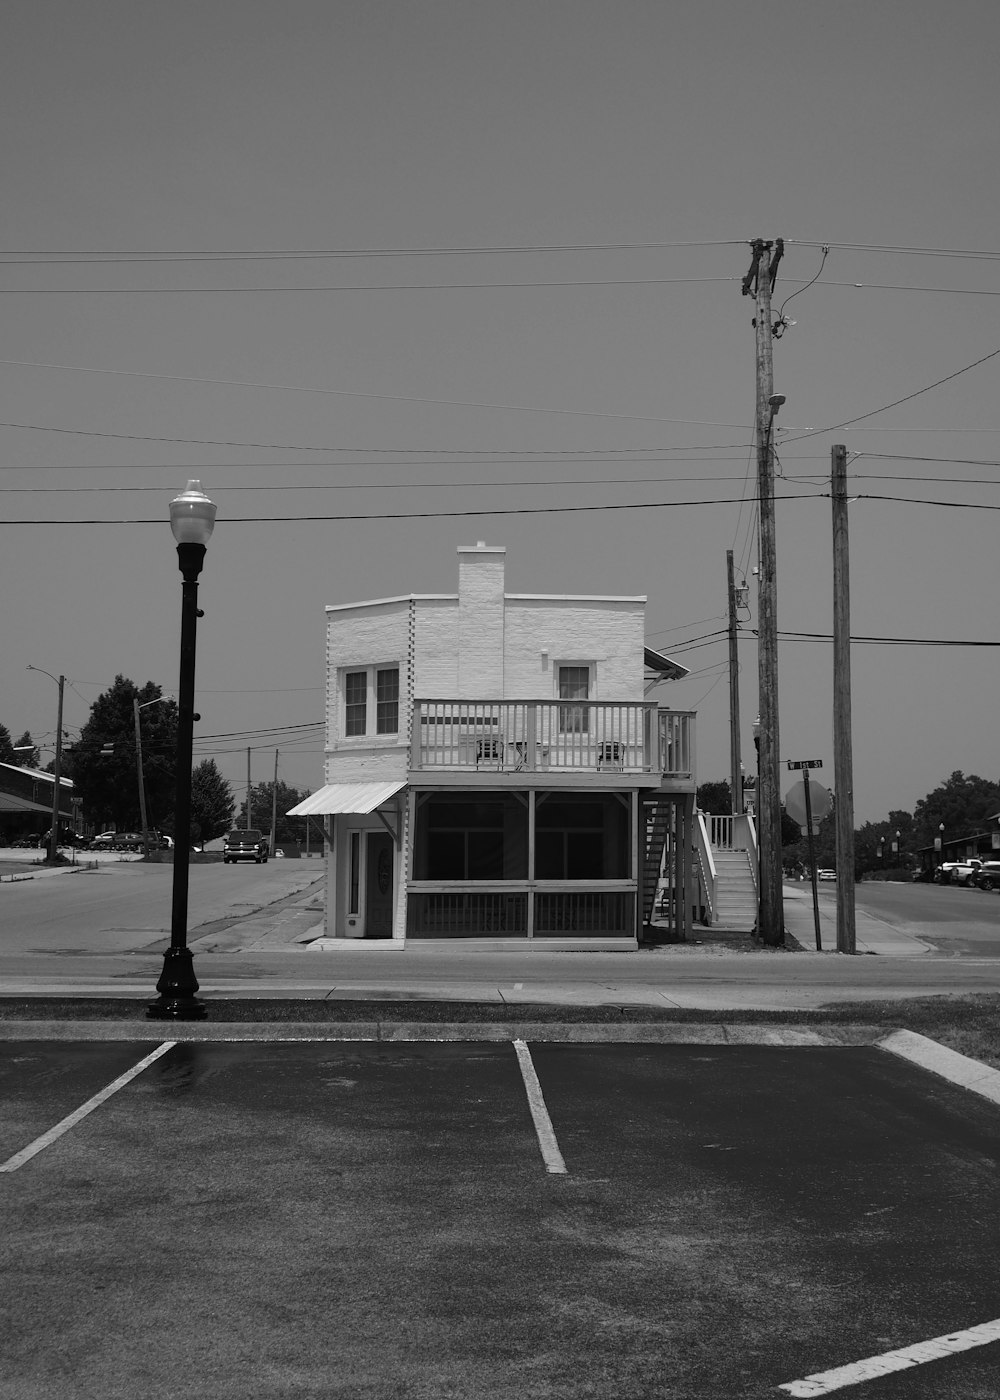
x=957, y=872
x=988, y=876
x=248, y=844
x=104, y=842
x=826, y=874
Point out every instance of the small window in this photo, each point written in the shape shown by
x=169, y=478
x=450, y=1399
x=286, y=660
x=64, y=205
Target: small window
x=356, y=697
x=387, y=701
x=354, y=897
x=574, y=684
x=371, y=694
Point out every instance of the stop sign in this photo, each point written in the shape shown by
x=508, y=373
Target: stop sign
x=819, y=799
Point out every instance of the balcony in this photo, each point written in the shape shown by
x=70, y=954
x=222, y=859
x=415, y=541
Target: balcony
x=557, y=736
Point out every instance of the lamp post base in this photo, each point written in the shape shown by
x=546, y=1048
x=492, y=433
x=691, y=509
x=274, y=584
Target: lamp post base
x=177, y=987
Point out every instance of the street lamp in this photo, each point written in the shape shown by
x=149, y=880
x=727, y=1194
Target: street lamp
x=56, y=767
x=192, y=520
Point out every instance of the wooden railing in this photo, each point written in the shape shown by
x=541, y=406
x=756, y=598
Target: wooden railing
x=514, y=736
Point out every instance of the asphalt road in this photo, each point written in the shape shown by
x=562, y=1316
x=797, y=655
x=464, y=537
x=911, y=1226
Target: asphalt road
x=380, y=1222
x=956, y=920
x=107, y=929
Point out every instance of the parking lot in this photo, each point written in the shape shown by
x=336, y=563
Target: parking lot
x=378, y=1220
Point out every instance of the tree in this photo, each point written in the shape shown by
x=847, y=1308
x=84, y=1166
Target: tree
x=961, y=803
x=103, y=761
x=212, y=803
x=714, y=798
x=7, y=754
x=27, y=760
x=289, y=828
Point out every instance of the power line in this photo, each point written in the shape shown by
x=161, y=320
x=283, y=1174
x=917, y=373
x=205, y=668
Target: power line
x=423, y=515
x=364, y=394
x=896, y=402
x=30, y=256
x=382, y=287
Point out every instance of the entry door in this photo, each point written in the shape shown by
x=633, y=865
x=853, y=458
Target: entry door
x=378, y=886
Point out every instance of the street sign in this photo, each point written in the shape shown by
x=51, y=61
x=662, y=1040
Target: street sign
x=806, y=763
x=820, y=803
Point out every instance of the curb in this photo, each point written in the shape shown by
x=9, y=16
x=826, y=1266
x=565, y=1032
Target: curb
x=640, y=1033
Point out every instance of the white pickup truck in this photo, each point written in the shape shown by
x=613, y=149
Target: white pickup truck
x=958, y=872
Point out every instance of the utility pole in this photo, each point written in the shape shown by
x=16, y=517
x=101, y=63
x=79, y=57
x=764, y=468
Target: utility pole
x=274, y=805
x=56, y=768
x=735, y=766
x=843, y=759
x=138, y=770
x=249, y=821
x=760, y=280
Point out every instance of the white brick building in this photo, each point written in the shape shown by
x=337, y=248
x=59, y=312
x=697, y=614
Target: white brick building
x=494, y=771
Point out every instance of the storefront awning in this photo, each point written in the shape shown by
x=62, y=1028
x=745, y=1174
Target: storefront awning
x=345, y=797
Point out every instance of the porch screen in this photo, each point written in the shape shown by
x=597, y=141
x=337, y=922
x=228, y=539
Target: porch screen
x=583, y=838
x=471, y=839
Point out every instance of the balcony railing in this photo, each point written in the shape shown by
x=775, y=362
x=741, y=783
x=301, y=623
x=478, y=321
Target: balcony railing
x=532, y=736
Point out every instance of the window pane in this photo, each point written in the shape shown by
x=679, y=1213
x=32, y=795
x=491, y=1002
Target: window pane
x=574, y=684
x=356, y=698
x=582, y=839
x=387, y=701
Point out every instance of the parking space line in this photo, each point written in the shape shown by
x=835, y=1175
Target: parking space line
x=823, y=1382
x=551, y=1155
x=53, y=1134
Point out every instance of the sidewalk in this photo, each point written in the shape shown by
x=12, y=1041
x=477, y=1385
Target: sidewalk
x=871, y=935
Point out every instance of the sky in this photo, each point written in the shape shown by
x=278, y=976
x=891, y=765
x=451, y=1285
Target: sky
x=495, y=294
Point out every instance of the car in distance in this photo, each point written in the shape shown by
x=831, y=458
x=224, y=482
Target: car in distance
x=826, y=874
x=248, y=844
x=958, y=872
x=988, y=876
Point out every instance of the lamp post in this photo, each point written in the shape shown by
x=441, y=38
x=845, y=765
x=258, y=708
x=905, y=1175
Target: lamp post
x=895, y=850
x=56, y=767
x=192, y=519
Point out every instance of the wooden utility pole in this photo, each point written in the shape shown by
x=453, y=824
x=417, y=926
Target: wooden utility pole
x=735, y=765
x=771, y=926
x=249, y=820
x=139, y=777
x=843, y=759
x=274, y=807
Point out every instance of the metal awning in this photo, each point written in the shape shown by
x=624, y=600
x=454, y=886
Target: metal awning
x=664, y=666
x=345, y=797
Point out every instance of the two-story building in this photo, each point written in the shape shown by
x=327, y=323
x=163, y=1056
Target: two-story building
x=495, y=771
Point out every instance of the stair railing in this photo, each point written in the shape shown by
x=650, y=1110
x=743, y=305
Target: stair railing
x=706, y=865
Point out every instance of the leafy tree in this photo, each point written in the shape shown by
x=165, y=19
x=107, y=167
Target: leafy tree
x=7, y=754
x=212, y=803
x=27, y=760
x=103, y=762
x=715, y=798
x=289, y=828
x=961, y=803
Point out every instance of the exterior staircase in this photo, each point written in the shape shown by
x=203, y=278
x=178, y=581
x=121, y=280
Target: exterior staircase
x=735, y=891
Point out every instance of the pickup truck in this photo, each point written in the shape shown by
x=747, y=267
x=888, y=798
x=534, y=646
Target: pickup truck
x=958, y=872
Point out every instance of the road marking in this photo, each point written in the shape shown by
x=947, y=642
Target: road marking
x=46, y=1140
x=823, y=1382
x=551, y=1155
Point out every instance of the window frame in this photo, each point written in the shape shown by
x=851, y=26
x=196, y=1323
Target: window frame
x=378, y=712
x=573, y=720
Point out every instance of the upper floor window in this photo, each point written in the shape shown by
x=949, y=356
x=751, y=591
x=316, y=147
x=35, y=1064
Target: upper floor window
x=371, y=697
x=574, y=684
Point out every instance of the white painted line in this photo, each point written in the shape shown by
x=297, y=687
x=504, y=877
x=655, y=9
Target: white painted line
x=959, y=1069
x=46, y=1140
x=551, y=1155
x=823, y=1382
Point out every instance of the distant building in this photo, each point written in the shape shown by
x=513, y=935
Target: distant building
x=494, y=771
x=26, y=794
